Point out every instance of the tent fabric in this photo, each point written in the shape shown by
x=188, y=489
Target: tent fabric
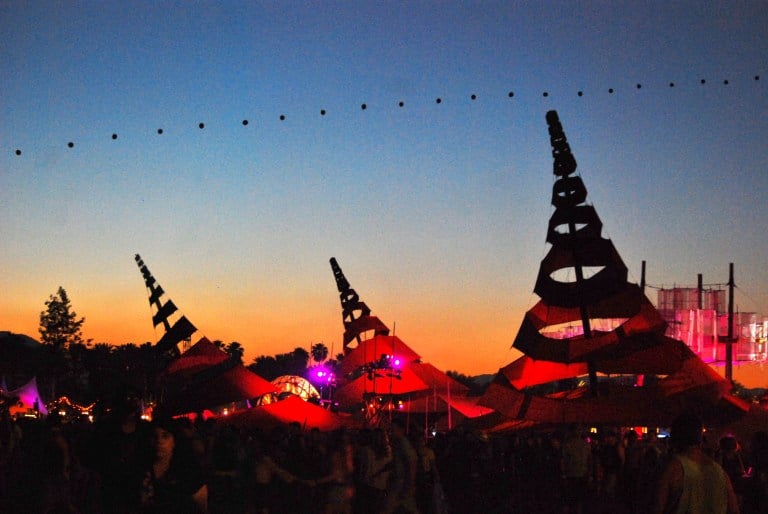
x=694, y=373
x=584, y=215
x=206, y=377
x=437, y=380
x=637, y=346
x=439, y=403
x=291, y=410
x=362, y=370
x=182, y=329
x=27, y=396
x=355, y=327
x=415, y=376
x=234, y=385
x=532, y=342
x=526, y=371
x=629, y=303
x=372, y=349
x=622, y=406
x=593, y=253
x=643, y=354
x=352, y=393
x=200, y=356
x=164, y=312
x=355, y=313
x=693, y=387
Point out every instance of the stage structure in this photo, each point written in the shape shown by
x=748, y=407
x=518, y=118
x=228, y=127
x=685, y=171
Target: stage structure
x=182, y=329
x=203, y=376
x=380, y=373
x=699, y=318
x=356, y=315
x=595, y=349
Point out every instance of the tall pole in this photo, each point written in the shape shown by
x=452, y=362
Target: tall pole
x=729, y=343
x=700, y=288
x=585, y=323
x=699, y=331
x=640, y=379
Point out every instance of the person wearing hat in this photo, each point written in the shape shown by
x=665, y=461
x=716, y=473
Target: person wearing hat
x=692, y=482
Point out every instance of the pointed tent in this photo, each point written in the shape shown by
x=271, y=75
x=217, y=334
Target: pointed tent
x=181, y=330
x=440, y=403
x=373, y=349
x=415, y=379
x=382, y=364
x=355, y=313
x=634, y=345
x=202, y=377
x=437, y=380
x=291, y=410
x=28, y=399
x=201, y=355
x=206, y=377
x=380, y=383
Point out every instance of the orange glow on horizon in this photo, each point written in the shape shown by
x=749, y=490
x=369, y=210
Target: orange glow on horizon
x=452, y=335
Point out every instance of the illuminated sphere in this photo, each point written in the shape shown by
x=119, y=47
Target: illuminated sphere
x=297, y=385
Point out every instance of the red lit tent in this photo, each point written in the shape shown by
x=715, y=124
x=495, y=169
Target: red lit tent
x=372, y=350
x=200, y=356
x=437, y=380
x=439, y=404
x=291, y=410
x=206, y=377
x=383, y=383
x=632, y=344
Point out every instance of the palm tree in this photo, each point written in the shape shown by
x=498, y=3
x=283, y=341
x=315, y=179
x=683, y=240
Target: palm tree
x=235, y=350
x=319, y=352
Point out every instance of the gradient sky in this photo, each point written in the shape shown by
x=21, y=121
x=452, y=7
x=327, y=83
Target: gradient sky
x=437, y=213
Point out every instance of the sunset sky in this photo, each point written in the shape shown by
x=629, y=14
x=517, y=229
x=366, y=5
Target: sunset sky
x=436, y=212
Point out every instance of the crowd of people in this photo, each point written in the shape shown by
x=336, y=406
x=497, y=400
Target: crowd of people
x=122, y=464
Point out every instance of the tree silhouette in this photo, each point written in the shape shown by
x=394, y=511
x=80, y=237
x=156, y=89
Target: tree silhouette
x=235, y=350
x=319, y=352
x=292, y=363
x=60, y=330
x=59, y=325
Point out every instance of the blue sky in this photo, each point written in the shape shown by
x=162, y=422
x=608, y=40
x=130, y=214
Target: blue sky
x=436, y=212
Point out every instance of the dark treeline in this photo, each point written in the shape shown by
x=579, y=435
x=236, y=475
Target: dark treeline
x=87, y=372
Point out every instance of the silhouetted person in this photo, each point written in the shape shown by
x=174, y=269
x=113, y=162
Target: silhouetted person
x=426, y=476
x=260, y=485
x=692, y=482
x=576, y=465
x=401, y=490
x=611, y=460
x=122, y=443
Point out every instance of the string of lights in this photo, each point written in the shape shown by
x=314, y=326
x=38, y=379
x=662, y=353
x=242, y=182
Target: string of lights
x=400, y=104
